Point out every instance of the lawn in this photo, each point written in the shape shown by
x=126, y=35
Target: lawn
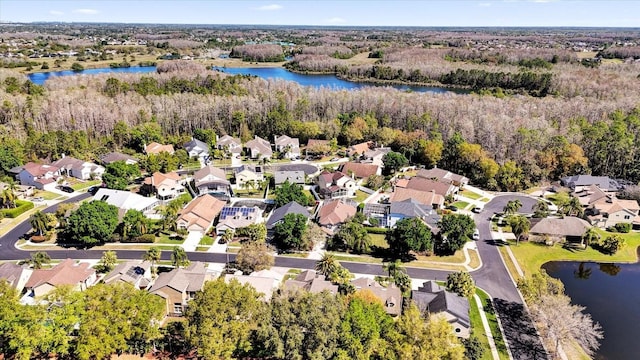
x=558, y=198
x=86, y=184
x=531, y=256
x=47, y=195
x=478, y=329
x=461, y=205
x=207, y=240
x=360, y=196
x=254, y=194
x=169, y=239
x=471, y=195
x=378, y=240
x=493, y=325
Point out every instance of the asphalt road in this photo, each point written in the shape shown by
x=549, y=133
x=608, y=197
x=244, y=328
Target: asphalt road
x=492, y=277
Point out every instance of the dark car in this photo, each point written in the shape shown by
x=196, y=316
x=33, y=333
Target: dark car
x=93, y=190
x=67, y=189
x=452, y=208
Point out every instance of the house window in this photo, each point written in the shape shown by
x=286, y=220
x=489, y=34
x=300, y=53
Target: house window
x=177, y=308
x=627, y=217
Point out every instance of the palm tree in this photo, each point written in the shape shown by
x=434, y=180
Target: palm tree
x=39, y=222
x=179, y=257
x=512, y=207
x=327, y=265
x=152, y=255
x=541, y=209
x=582, y=272
x=249, y=185
x=227, y=236
x=8, y=198
x=572, y=207
x=590, y=236
x=393, y=268
x=520, y=226
x=108, y=261
x=360, y=243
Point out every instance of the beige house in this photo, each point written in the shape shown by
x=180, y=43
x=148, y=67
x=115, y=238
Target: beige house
x=78, y=169
x=178, y=286
x=333, y=185
x=200, y=213
x=288, y=146
x=444, y=176
x=156, y=148
x=235, y=217
x=213, y=180
x=311, y=281
x=135, y=272
x=259, y=148
x=42, y=281
x=246, y=173
x=334, y=213
x=569, y=228
x=164, y=186
x=609, y=211
x=265, y=286
x=389, y=296
x=429, y=198
x=360, y=170
x=15, y=275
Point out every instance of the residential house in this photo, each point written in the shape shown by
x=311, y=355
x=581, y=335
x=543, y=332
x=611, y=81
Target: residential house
x=229, y=144
x=444, y=176
x=609, y=211
x=200, y=213
x=163, y=186
x=311, y=281
x=259, y=148
x=247, y=174
x=156, y=148
x=15, y=275
x=294, y=177
x=287, y=146
x=579, y=182
x=42, y=281
x=436, y=201
x=590, y=195
x=360, y=170
x=197, y=148
x=375, y=156
x=291, y=208
x=78, y=169
x=265, y=286
x=42, y=177
x=435, y=300
x=112, y=157
x=423, y=184
x=412, y=208
x=389, y=296
x=336, y=185
x=359, y=149
x=317, y=147
x=134, y=272
x=211, y=180
x=334, y=213
x=126, y=200
x=568, y=228
x=179, y=286
x=235, y=217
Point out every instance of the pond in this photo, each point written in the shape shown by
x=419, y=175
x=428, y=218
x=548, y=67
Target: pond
x=611, y=294
x=327, y=81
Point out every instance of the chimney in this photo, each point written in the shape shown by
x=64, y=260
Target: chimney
x=62, y=155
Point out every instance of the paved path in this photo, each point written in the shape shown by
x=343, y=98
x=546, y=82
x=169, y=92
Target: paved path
x=487, y=329
x=192, y=241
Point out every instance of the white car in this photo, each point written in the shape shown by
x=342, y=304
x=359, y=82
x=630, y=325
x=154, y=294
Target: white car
x=476, y=235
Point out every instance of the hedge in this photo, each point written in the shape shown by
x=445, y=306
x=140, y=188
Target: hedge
x=22, y=206
x=377, y=230
x=145, y=238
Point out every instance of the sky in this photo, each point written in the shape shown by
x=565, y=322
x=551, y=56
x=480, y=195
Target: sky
x=577, y=13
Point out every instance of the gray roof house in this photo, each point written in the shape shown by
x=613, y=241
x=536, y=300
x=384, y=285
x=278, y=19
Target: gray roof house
x=259, y=147
x=197, y=148
x=212, y=180
x=310, y=281
x=230, y=144
x=390, y=296
x=78, y=169
x=179, y=286
x=290, y=146
x=294, y=177
x=577, y=182
x=116, y=156
x=135, y=272
x=435, y=299
x=570, y=228
x=443, y=176
x=125, y=200
x=291, y=208
x=16, y=275
x=411, y=208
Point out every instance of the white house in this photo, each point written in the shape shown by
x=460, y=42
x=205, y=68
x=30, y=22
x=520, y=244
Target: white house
x=197, y=148
x=40, y=176
x=246, y=173
x=78, y=169
x=126, y=200
x=289, y=147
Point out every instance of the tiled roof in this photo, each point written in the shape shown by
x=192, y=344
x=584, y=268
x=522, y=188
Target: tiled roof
x=116, y=156
x=335, y=212
x=201, y=211
x=156, y=148
x=65, y=273
x=359, y=170
x=423, y=197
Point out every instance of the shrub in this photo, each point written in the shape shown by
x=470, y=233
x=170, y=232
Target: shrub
x=377, y=230
x=146, y=238
x=21, y=207
x=623, y=227
x=612, y=244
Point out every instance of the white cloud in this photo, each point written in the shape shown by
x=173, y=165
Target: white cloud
x=85, y=11
x=271, y=7
x=484, y=4
x=56, y=12
x=336, y=20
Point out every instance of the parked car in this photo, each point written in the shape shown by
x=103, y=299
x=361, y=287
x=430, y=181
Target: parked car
x=335, y=159
x=38, y=199
x=477, y=209
x=452, y=208
x=93, y=190
x=476, y=235
x=65, y=188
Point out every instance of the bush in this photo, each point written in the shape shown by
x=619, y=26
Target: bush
x=145, y=238
x=377, y=230
x=623, y=227
x=611, y=244
x=21, y=207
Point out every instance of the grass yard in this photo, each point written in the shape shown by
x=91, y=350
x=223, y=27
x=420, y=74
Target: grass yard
x=378, y=240
x=457, y=258
x=360, y=196
x=474, y=259
x=493, y=325
x=470, y=194
x=478, y=329
x=169, y=239
x=202, y=248
x=254, y=194
x=558, y=198
x=531, y=256
x=85, y=184
x=206, y=240
x=47, y=195
x=461, y=205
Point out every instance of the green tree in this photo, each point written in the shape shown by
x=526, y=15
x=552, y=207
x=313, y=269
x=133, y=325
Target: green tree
x=535, y=286
x=364, y=330
x=409, y=235
x=611, y=244
x=461, y=283
x=301, y=325
x=39, y=222
x=37, y=260
x=512, y=207
x=455, y=231
x=77, y=67
x=179, y=257
x=393, y=161
x=571, y=207
x=541, y=209
x=288, y=234
x=253, y=232
x=221, y=318
x=352, y=236
x=289, y=192
x=473, y=349
x=520, y=226
x=254, y=256
x=117, y=318
x=510, y=177
x=107, y=262
x=119, y=174
x=375, y=182
x=134, y=224
x=91, y=224
x=591, y=236
x=152, y=255
x=327, y=265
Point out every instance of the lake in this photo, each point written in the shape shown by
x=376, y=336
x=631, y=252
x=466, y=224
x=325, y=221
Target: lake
x=317, y=81
x=611, y=294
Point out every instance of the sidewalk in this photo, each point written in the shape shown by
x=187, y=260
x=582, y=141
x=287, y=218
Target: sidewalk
x=192, y=241
x=487, y=329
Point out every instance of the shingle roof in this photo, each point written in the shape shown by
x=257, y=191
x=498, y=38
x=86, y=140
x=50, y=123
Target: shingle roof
x=311, y=281
x=158, y=178
x=603, y=182
x=201, y=211
x=116, y=156
x=11, y=272
x=210, y=171
x=424, y=184
x=285, y=140
x=196, y=144
x=359, y=148
x=434, y=298
x=567, y=226
x=290, y=208
x=335, y=212
x=129, y=272
x=156, y=148
x=423, y=197
x=359, y=170
x=39, y=169
x=191, y=278
x=390, y=296
x=124, y=199
x=295, y=177
x=65, y=273
x=261, y=145
x=442, y=175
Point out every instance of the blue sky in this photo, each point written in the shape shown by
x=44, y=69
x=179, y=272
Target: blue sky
x=609, y=13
